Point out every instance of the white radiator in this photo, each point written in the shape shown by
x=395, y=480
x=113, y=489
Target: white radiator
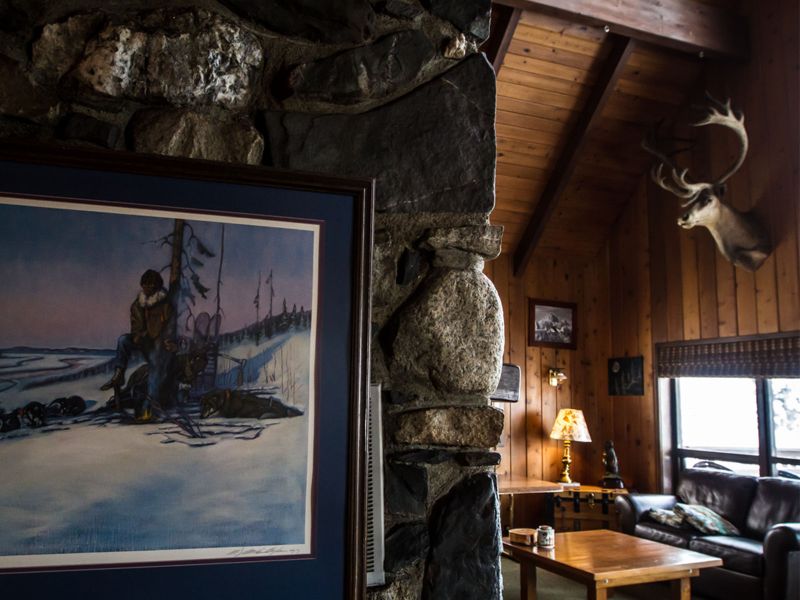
x=375, y=533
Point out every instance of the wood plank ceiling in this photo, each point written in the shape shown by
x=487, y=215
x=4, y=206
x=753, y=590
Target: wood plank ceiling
x=568, y=149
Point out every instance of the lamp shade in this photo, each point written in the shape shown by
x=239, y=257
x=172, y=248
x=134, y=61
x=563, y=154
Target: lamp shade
x=570, y=425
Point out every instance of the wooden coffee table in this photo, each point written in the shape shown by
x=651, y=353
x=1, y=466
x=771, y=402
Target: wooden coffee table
x=603, y=559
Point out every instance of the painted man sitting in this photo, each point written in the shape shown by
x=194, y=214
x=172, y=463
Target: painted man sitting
x=152, y=321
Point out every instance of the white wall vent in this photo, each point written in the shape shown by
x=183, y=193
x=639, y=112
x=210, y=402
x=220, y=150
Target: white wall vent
x=375, y=533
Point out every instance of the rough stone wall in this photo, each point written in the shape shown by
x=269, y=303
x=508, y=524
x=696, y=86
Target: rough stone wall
x=391, y=89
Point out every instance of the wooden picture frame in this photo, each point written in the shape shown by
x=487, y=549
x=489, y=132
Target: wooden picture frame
x=552, y=324
x=254, y=468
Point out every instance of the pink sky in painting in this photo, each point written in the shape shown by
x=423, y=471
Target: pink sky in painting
x=69, y=277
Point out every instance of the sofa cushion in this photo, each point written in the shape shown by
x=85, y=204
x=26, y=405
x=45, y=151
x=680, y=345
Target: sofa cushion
x=705, y=520
x=665, y=517
x=665, y=534
x=740, y=554
x=777, y=500
x=727, y=494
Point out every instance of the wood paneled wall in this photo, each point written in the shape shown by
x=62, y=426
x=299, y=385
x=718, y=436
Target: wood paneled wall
x=696, y=292
x=527, y=449
x=656, y=282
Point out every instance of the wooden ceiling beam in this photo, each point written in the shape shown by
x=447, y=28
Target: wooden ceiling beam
x=688, y=26
x=621, y=48
x=503, y=24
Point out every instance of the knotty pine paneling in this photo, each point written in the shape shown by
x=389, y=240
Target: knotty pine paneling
x=696, y=292
x=527, y=450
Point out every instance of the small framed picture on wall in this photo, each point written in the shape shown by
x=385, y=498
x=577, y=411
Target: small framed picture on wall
x=552, y=324
x=626, y=376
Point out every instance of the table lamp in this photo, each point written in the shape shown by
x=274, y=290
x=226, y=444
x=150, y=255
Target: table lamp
x=570, y=426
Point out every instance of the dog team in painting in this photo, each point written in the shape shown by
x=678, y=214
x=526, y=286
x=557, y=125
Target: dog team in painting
x=165, y=378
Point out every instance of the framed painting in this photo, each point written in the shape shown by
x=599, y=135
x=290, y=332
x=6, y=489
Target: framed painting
x=183, y=376
x=552, y=324
x=626, y=376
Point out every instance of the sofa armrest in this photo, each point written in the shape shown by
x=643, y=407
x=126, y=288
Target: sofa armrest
x=780, y=541
x=631, y=507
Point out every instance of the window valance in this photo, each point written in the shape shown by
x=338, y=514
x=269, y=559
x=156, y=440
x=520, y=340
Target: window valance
x=776, y=355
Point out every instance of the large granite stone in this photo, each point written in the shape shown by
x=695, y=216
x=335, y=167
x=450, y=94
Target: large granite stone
x=474, y=426
x=425, y=456
x=60, y=46
x=404, y=9
x=405, y=544
x=83, y=128
x=364, y=73
x=478, y=459
x=470, y=16
x=464, y=559
x=399, y=267
x=409, y=267
x=339, y=21
x=405, y=584
x=483, y=239
x=16, y=27
x=21, y=98
x=432, y=150
x=406, y=489
x=450, y=334
x=209, y=60
x=193, y=134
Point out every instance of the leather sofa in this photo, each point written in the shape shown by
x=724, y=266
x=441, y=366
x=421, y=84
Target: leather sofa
x=759, y=563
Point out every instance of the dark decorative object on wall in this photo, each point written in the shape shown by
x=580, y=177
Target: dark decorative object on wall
x=201, y=473
x=552, y=324
x=611, y=478
x=626, y=376
x=508, y=387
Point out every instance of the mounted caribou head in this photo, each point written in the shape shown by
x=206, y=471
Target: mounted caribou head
x=739, y=236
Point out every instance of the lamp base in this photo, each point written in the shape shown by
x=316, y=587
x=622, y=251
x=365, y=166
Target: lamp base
x=566, y=460
x=570, y=485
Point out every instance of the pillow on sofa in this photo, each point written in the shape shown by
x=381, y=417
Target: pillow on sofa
x=705, y=520
x=665, y=517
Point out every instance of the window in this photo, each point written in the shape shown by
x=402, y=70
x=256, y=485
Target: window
x=746, y=425
x=733, y=403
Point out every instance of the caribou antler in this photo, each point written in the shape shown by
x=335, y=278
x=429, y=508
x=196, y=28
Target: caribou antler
x=719, y=113
x=739, y=236
x=679, y=186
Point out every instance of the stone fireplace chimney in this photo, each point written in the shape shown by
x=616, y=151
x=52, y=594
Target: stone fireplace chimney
x=390, y=89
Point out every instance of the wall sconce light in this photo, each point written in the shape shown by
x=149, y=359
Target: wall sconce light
x=555, y=376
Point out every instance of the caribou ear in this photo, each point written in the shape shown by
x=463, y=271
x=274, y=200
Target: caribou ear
x=720, y=189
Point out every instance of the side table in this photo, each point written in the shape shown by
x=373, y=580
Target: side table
x=513, y=487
